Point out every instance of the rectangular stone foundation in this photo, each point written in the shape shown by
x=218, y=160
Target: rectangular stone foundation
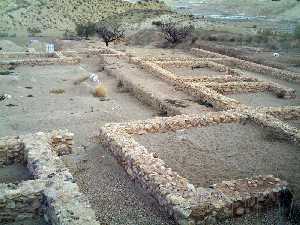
x=185, y=202
x=247, y=65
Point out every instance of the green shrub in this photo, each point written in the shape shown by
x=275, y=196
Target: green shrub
x=33, y=30
x=69, y=35
x=85, y=30
x=156, y=23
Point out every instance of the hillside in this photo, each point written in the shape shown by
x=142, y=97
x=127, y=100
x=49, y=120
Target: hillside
x=284, y=9
x=59, y=15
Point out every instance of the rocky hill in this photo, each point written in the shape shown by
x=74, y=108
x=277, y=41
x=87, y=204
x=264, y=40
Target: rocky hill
x=59, y=15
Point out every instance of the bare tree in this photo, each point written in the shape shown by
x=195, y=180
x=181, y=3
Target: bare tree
x=110, y=32
x=175, y=33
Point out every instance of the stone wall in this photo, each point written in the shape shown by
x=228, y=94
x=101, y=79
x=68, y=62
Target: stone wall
x=247, y=65
x=22, y=55
x=244, y=87
x=196, y=90
x=206, y=88
x=146, y=97
x=53, y=193
x=11, y=151
x=18, y=202
x=36, y=59
x=99, y=52
x=45, y=61
x=283, y=113
x=185, y=202
x=277, y=127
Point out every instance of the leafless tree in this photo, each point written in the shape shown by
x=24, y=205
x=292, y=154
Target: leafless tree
x=175, y=33
x=110, y=31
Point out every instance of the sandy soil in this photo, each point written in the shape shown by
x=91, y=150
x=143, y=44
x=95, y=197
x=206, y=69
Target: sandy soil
x=264, y=99
x=81, y=113
x=14, y=174
x=196, y=72
x=236, y=153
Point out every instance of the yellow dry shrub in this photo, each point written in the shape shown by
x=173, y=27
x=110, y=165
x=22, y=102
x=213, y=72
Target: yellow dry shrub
x=100, y=91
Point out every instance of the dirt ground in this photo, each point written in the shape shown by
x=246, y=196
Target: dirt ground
x=14, y=173
x=115, y=198
x=34, y=109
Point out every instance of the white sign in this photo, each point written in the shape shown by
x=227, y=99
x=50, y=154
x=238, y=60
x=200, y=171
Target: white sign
x=50, y=48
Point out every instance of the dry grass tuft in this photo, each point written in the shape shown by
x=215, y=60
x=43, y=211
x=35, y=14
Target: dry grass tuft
x=58, y=91
x=100, y=91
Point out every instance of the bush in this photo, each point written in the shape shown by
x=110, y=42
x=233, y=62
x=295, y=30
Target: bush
x=156, y=23
x=33, y=30
x=69, y=35
x=175, y=33
x=85, y=30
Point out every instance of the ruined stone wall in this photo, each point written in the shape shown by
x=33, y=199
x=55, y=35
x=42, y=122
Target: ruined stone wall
x=196, y=90
x=144, y=96
x=18, y=202
x=244, y=87
x=45, y=61
x=185, y=202
x=22, y=55
x=99, y=52
x=11, y=150
x=53, y=192
x=278, y=128
x=218, y=79
x=283, y=113
x=206, y=88
x=37, y=59
x=250, y=66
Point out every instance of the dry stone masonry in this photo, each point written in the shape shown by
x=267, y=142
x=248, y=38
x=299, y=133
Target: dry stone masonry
x=53, y=192
x=251, y=66
x=24, y=58
x=187, y=203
